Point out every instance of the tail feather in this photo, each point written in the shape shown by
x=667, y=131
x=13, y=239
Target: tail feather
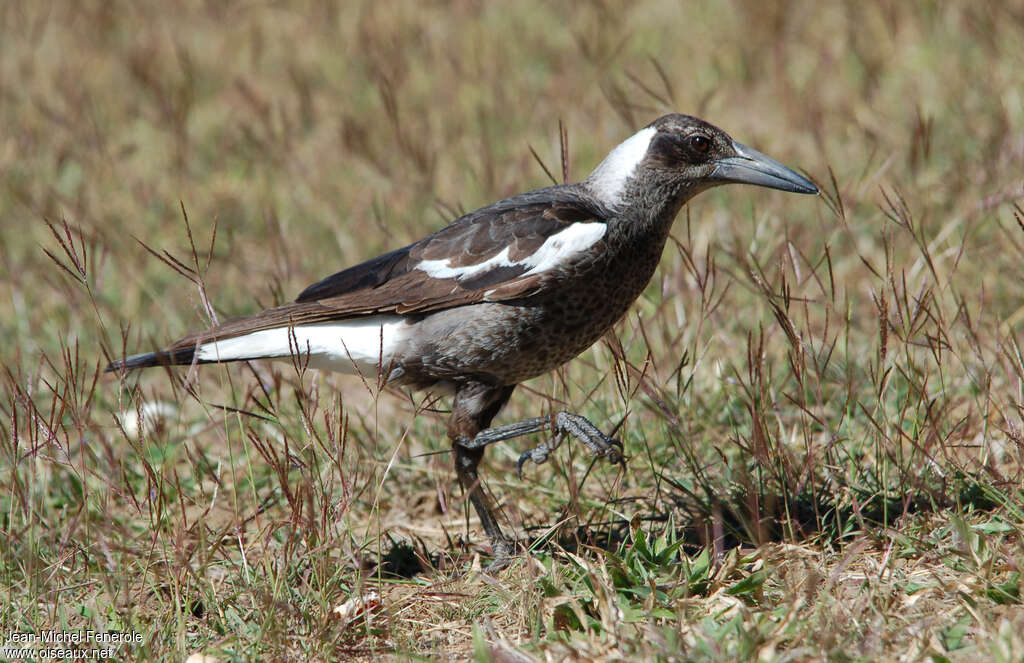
x=341, y=345
x=171, y=357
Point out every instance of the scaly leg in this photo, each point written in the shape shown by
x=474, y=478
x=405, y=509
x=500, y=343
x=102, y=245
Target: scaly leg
x=474, y=406
x=466, y=461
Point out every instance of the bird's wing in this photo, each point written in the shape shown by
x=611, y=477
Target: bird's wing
x=482, y=256
x=503, y=252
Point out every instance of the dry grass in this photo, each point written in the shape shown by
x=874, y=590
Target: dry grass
x=822, y=402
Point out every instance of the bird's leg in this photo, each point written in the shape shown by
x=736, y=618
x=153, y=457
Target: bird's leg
x=473, y=408
x=562, y=423
x=466, y=461
x=507, y=432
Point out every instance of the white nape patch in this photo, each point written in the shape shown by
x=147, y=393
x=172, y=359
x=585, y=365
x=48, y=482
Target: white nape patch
x=610, y=177
x=361, y=344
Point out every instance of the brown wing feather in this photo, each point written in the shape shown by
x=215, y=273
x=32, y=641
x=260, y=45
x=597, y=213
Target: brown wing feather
x=391, y=283
x=355, y=305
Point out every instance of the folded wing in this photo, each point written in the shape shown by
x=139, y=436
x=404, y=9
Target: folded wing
x=503, y=252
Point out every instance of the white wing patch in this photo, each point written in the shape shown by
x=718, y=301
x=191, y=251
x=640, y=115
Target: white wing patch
x=563, y=246
x=558, y=248
x=609, y=178
x=442, y=269
x=361, y=344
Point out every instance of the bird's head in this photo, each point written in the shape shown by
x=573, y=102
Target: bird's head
x=677, y=156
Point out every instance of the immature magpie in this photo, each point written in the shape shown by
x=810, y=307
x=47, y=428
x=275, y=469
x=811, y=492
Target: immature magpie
x=502, y=294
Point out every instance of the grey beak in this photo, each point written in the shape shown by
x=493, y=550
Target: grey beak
x=751, y=167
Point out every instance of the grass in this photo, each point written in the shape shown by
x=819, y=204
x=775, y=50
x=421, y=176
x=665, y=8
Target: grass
x=821, y=400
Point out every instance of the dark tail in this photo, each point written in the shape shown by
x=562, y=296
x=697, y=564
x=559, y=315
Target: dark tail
x=172, y=357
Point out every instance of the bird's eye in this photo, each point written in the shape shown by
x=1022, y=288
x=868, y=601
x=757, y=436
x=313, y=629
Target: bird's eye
x=700, y=144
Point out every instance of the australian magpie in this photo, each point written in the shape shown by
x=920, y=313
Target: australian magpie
x=502, y=294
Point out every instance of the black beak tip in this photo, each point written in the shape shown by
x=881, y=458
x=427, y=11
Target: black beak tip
x=808, y=187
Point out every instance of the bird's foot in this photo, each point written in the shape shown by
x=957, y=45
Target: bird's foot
x=567, y=423
x=503, y=552
x=563, y=423
x=538, y=454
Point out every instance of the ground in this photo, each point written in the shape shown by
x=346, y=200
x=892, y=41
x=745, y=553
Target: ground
x=821, y=400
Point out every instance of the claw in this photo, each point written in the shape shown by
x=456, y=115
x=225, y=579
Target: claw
x=519, y=464
x=615, y=456
x=538, y=455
